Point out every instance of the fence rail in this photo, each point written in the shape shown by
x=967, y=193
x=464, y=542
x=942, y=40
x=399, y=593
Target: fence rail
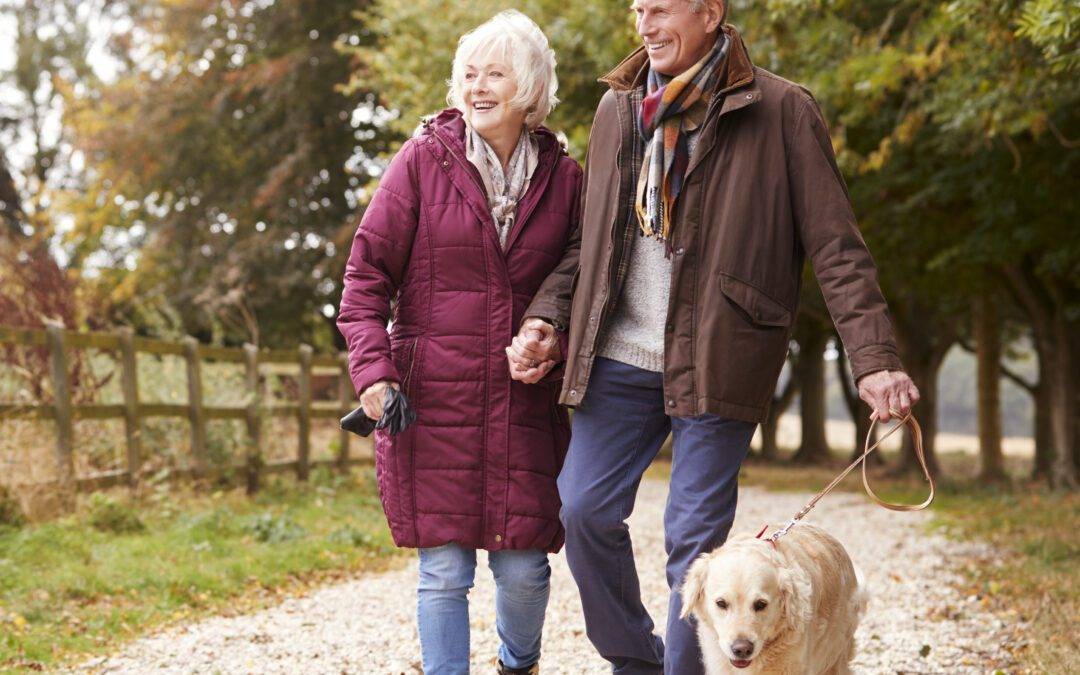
x=132, y=410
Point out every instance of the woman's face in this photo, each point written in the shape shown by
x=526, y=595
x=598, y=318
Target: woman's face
x=488, y=87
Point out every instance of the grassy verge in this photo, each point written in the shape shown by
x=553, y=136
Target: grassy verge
x=1034, y=530
x=118, y=568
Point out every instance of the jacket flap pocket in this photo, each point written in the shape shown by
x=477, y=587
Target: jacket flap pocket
x=761, y=309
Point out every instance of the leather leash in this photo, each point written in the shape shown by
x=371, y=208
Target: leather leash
x=917, y=440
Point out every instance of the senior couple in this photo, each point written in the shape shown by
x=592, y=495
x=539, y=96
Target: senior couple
x=654, y=294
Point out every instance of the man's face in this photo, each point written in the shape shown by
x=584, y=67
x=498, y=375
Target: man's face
x=674, y=36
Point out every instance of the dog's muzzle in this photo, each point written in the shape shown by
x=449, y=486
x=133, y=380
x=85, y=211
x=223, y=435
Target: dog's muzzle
x=742, y=649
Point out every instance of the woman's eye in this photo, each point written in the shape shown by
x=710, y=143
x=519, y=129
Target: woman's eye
x=760, y=605
x=722, y=604
x=496, y=73
x=470, y=76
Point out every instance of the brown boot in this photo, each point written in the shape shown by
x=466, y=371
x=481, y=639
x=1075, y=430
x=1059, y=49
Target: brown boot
x=534, y=669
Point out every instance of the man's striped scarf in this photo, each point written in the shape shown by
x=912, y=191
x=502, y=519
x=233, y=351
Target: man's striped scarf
x=661, y=123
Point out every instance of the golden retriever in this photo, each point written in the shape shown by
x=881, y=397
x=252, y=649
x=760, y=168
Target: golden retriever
x=787, y=608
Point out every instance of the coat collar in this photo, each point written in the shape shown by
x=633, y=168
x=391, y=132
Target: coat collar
x=631, y=72
x=450, y=126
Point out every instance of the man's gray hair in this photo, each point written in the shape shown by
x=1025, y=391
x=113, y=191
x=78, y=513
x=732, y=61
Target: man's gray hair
x=516, y=38
x=698, y=5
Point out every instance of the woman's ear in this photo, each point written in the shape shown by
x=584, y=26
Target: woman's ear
x=693, y=588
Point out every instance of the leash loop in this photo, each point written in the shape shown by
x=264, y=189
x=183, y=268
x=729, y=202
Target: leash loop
x=916, y=437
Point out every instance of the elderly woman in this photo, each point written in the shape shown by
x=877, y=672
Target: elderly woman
x=471, y=215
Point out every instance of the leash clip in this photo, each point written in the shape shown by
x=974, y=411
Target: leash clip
x=775, y=536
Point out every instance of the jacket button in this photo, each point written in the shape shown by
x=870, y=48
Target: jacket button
x=670, y=327
x=498, y=537
x=671, y=403
x=573, y=392
x=680, y=251
x=592, y=319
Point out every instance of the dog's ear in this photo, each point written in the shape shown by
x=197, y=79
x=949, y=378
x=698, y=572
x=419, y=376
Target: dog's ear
x=693, y=587
x=795, y=596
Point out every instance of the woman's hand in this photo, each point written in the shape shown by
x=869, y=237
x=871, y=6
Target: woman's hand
x=374, y=396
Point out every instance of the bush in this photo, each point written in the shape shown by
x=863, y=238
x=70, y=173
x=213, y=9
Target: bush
x=268, y=528
x=109, y=515
x=10, y=511
x=352, y=536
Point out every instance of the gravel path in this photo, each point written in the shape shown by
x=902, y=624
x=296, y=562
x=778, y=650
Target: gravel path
x=916, y=622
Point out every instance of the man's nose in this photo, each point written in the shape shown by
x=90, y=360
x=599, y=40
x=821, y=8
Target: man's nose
x=645, y=26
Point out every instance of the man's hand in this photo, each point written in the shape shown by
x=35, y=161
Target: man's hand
x=888, y=389
x=374, y=396
x=534, y=351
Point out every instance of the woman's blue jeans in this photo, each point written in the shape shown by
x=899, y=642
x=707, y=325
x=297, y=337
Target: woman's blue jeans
x=521, y=597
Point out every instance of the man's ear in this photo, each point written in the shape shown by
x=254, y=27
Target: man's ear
x=693, y=587
x=714, y=14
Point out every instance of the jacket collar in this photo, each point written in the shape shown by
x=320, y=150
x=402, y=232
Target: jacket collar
x=632, y=71
x=450, y=126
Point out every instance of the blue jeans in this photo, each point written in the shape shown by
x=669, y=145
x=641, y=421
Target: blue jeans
x=617, y=431
x=521, y=597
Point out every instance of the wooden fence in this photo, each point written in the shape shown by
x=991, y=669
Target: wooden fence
x=133, y=411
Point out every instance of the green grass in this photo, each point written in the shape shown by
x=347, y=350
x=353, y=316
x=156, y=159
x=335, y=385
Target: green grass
x=1033, y=529
x=117, y=569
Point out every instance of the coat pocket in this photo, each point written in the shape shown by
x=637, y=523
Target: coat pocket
x=759, y=308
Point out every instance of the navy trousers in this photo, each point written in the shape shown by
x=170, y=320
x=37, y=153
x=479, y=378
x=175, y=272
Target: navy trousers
x=617, y=431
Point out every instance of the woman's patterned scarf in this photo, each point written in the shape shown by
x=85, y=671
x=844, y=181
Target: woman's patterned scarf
x=503, y=188
x=661, y=124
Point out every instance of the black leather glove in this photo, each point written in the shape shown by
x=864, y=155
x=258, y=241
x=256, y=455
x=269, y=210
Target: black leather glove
x=396, y=417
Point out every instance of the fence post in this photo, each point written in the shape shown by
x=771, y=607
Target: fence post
x=195, y=406
x=253, y=462
x=303, y=458
x=345, y=397
x=65, y=465
x=130, y=386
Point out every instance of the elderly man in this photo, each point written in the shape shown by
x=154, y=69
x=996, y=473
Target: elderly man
x=708, y=181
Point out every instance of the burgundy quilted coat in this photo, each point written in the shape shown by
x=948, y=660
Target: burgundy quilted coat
x=479, y=466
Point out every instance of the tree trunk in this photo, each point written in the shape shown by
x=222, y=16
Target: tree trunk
x=810, y=373
x=1044, y=442
x=857, y=408
x=769, y=450
x=1045, y=305
x=988, y=358
x=923, y=368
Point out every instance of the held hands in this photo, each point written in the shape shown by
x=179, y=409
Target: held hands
x=888, y=389
x=374, y=396
x=534, y=351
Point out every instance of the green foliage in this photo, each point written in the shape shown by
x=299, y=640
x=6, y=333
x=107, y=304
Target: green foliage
x=270, y=528
x=409, y=61
x=69, y=589
x=107, y=514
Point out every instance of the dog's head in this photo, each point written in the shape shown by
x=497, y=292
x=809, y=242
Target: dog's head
x=745, y=597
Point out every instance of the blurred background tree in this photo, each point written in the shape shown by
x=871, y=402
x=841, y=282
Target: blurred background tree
x=210, y=179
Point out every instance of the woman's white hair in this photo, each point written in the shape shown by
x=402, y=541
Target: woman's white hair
x=515, y=38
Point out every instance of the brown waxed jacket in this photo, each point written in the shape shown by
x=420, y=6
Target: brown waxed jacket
x=762, y=193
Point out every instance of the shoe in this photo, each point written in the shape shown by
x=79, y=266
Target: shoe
x=534, y=669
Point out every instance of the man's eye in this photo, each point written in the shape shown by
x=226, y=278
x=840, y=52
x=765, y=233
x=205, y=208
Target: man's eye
x=470, y=76
x=496, y=73
x=760, y=605
x=721, y=603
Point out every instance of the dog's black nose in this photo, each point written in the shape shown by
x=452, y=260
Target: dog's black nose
x=742, y=648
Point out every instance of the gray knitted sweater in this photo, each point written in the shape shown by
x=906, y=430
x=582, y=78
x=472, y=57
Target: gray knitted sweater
x=635, y=332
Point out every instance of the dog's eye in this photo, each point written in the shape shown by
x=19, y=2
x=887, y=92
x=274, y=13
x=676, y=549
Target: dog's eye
x=760, y=605
x=721, y=603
